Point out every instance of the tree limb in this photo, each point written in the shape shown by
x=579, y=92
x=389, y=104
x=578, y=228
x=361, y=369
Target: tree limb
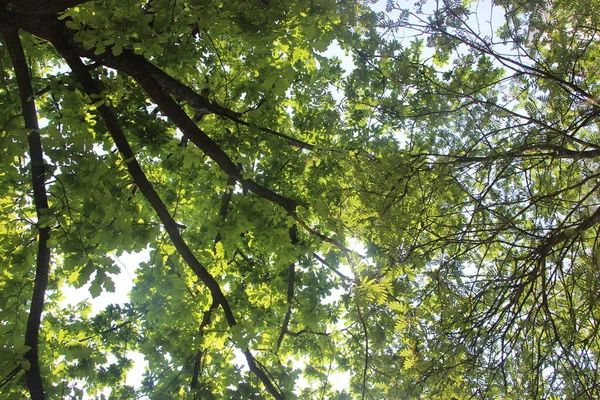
x=131, y=64
x=9, y=377
x=159, y=86
x=566, y=234
x=527, y=151
x=331, y=267
x=141, y=180
x=134, y=65
x=324, y=238
x=33, y=375
x=225, y=200
x=178, y=116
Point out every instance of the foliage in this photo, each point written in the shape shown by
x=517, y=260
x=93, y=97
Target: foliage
x=424, y=220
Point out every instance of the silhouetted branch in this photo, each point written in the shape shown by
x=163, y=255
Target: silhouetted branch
x=147, y=189
x=33, y=376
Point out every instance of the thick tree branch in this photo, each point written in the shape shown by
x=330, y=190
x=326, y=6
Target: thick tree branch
x=178, y=116
x=159, y=86
x=139, y=176
x=133, y=64
x=140, y=179
x=33, y=375
x=566, y=234
x=528, y=151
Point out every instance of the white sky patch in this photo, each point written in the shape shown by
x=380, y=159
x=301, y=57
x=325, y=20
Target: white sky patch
x=124, y=281
x=337, y=381
x=335, y=51
x=136, y=373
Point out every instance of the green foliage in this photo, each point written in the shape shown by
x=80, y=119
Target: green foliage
x=423, y=222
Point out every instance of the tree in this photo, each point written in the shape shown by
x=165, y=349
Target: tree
x=502, y=142
x=210, y=134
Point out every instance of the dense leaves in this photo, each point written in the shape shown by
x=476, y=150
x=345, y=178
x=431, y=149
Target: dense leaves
x=333, y=199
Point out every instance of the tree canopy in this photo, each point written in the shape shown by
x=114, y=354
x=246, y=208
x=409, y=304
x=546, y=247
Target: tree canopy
x=423, y=220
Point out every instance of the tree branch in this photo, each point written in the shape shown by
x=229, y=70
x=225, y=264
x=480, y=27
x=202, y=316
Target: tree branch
x=324, y=238
x=33, y=375
x=527, y=151
x=178, y=116
x=513, y=64
x=566, y=234
x=109, y=330
x=158, y=85
x=331, y=267
x=140, y=179
x=366, y=361
x=9, y=377
x=131, y=64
